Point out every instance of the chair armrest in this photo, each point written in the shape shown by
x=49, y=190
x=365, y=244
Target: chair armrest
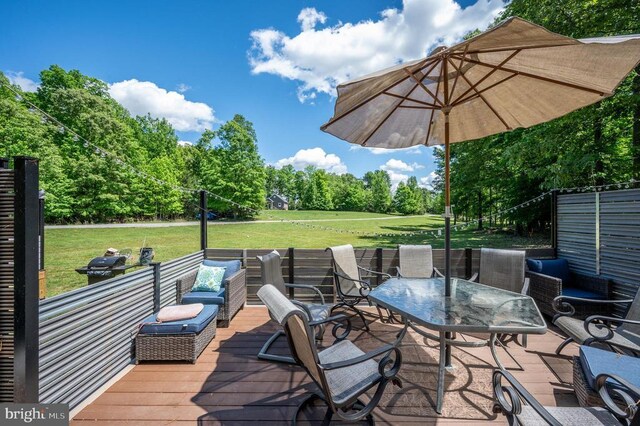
x=511, y=404
x=474, y=277
x=398, y=272
x=184, y=284
x=437, y=272
x=525, y=286
x=341, y=321
x=239, y=279
x=602, y=322
x=307, y=287
x=603, y=382
x=562, y=302
x=304, y=307
x=544, y=283
x=592, y=283
x=383, y=274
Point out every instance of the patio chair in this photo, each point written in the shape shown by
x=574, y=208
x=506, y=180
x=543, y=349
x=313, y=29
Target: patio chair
x=351, y=289
x=550, y=278
x=624, y=333
x=504, y=269
x=271, y=273
x=416, y=261
x=342, y=372
x=521, y=408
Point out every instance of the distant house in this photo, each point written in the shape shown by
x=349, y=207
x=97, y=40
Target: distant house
x=277, y=202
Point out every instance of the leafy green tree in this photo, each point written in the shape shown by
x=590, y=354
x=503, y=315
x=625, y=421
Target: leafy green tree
x=378, y=183
x=317, y=194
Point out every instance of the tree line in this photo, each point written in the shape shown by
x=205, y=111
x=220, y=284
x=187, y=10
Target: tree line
x=83, y=184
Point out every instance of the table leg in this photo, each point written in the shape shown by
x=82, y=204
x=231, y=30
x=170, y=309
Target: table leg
x=448, y=350
x=492, y=345
x=441, y=369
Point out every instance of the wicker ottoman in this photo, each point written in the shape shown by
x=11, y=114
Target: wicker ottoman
x=176, y=340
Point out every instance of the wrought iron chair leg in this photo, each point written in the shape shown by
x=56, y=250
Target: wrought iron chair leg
x=304, y=403
x=563, y=345
x=264, y=351
x=361, y=315
x=326, y=421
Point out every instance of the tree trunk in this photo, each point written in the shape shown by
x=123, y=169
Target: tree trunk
x=480, y=210
x=635, y=139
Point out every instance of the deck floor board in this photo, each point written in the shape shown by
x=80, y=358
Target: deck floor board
x=229, y=385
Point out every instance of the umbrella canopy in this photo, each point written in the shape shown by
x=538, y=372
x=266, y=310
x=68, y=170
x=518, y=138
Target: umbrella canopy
x=516, y=74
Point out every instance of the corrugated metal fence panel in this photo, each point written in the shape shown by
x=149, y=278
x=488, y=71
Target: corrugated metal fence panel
x=86, y=335
x=577, y=231
x=620, y=240
x=6, y=284
x=174, y=269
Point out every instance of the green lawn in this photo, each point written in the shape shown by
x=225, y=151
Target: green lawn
x=67, y=249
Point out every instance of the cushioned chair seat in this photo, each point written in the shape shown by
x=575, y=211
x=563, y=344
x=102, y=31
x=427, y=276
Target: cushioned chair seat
x=193, y=325
x=575, y=327
x=582, y=293
x=319, y=312
x=204, y=297
x=347, y=382
x=558, y=268
x=596, y=361
x=569, y=416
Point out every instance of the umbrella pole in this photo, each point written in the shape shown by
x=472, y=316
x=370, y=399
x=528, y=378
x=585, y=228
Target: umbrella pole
x=447, y=225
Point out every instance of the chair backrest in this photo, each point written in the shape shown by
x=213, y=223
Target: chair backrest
x=296, y=326
x=345, y=263
x=502, y=269
x=271, y=270
x=632, y=331
x=416, y=261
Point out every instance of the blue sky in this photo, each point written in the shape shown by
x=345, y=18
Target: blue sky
x=198, y=63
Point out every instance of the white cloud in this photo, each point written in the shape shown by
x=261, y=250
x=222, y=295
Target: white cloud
x=19, y=79
x=400, y=166
x=396, y=178
x=427, y=181
x=320, y=57
x=380, y=151
x=185, y=143
x=183, y=87
x=315, y=157
x=309, y=17
x=145, y=97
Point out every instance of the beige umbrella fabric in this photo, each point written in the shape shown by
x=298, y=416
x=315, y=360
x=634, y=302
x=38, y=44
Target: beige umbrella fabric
x=517, y=74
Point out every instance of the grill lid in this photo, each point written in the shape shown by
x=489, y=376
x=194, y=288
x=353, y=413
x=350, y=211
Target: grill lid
x=107, y=262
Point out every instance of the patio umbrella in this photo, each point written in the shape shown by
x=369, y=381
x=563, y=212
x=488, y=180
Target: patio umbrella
x=514, y=75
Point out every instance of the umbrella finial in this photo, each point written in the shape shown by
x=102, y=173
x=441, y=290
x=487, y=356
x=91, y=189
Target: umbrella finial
x=437, y=50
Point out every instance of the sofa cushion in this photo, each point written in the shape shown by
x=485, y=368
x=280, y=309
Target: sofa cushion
x=558, y=268
x=596, y=361
x=231, y=266
x=209, y=278
x=582, y=293
x=192, y=325
x=204, y=297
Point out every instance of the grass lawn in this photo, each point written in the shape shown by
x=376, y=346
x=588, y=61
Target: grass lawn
x=67, y=249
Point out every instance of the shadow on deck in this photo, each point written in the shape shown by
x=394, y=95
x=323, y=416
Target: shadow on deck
x=229, y=385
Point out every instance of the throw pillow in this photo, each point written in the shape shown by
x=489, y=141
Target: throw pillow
x=209, y=278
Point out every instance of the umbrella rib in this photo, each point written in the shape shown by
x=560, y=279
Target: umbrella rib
x=474, y=86
x=370, y=98
x=453, y=89
x=475, y=95
x=425, y=88
x=388, y=115
x=427, y=104
x=483, y=98
x=539, y=77
x=524, y=47
x=433, y=111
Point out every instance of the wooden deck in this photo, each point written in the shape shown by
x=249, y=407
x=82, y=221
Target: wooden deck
x=228, y=385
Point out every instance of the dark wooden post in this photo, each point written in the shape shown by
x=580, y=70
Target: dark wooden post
x=4, y=163
x=203, y=220
x=379, y=264
x=292, y=276
x=26, y=303
x=468, y=262
x=41, y=196
x=156, y=285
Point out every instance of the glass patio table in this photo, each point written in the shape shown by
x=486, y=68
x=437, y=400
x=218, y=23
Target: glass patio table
x=471, y=308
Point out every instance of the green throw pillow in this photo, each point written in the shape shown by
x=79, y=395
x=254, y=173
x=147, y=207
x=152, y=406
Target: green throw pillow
x=209, y=278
